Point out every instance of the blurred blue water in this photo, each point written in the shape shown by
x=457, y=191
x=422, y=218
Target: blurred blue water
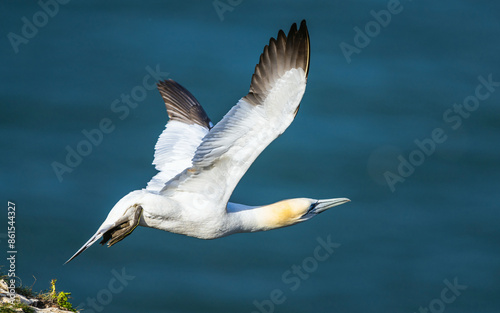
x=396, y=248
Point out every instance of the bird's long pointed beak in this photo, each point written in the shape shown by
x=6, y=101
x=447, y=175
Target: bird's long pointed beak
x=86, y=245
x=323, y=205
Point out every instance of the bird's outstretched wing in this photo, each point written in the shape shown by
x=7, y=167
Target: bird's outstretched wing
x=188, y=124
x=226, y=153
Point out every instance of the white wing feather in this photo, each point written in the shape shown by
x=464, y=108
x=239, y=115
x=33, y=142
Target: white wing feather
x=187, y=126
x=228, y=150
x=173, y=151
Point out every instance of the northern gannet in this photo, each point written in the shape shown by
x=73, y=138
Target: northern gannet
x=200, y=164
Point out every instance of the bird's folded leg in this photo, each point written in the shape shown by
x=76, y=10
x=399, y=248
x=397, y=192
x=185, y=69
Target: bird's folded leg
x=122, y=230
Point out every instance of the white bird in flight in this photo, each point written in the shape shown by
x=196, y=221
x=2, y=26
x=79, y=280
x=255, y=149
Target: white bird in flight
x=200, y=164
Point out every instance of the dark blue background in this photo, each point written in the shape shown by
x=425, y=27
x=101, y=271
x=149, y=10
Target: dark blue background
x=356, y=118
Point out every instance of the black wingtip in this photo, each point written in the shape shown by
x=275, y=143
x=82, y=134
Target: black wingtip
x=282, y=54
x=303, y=33
x=181, y=104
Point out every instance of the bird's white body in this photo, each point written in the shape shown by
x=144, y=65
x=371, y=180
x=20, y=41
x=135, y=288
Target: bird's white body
x=209, y=224
x=199, y=166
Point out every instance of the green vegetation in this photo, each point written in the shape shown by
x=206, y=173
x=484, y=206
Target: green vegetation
x=46, y=299
x=26, y=308
x=61, y=298
x=11, y=308
x=25, y=291
x=5, y=309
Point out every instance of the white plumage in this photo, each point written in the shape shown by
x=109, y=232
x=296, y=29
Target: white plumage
x=174, y=150
x=200, y=164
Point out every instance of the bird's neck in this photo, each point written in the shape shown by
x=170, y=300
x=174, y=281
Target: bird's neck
x=259, y=218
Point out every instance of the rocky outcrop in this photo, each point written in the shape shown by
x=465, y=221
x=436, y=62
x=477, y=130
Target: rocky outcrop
x=37, y=305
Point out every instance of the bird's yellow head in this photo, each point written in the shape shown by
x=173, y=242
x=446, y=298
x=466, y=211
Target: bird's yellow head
x=293, y=211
